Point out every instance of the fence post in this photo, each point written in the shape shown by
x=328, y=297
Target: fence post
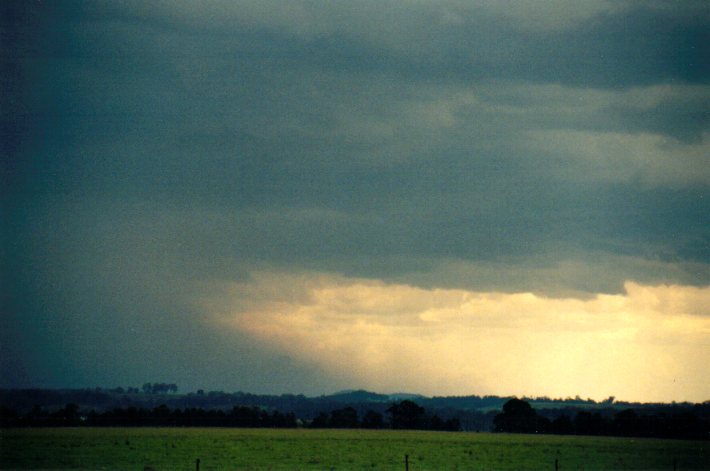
x=557, y=464
x=675, y=464
x=406, y=462
x=197, y=465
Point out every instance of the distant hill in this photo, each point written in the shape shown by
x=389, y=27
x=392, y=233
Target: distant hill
x=351, y=396
x=406, y=396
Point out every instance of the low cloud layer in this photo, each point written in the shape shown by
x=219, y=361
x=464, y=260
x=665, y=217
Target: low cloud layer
x=649, y=343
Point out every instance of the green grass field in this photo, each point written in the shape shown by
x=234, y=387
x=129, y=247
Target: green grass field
x=262, y=449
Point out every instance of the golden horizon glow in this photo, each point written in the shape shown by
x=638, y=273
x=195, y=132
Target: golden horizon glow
x=651, y=343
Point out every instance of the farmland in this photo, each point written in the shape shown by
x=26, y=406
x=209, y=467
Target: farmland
x=289, y=449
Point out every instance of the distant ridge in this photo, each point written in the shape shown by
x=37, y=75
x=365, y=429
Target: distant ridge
x=403, y=396
x=359, y=395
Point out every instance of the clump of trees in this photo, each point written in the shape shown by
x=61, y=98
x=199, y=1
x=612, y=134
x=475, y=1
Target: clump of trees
x=159, y=388
x=402, y=415
x=519, y=417
x=161, y=416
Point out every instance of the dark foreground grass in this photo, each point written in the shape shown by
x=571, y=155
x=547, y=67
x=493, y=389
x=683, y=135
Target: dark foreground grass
x=266, y=449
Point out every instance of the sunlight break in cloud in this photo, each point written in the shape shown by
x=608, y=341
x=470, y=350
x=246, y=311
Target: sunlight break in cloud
x=649, y=343
x=650, y=158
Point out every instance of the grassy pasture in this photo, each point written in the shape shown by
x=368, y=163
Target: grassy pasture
x=278, y=449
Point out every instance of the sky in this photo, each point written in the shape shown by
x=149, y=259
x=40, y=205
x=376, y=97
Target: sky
x=439, y=197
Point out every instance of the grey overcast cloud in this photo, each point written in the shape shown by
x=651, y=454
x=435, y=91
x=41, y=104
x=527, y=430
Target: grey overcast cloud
x=442, y=197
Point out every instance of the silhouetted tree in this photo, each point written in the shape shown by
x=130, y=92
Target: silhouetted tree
x=344, y=418
x=587, y=423
x=451, y=425
x=69, y=415
x=436, y=423
x=8, y=417
x=562, y=425
x=321, y=421
x=372, y=420
x=407, y=415
x=517, y=417
x=627, y=423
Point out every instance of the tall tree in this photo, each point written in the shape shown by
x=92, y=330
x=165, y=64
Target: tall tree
x=518, y=416
x=407, y=415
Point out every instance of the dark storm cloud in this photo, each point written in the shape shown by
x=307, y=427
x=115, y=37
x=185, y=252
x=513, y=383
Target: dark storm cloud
x=151, y=149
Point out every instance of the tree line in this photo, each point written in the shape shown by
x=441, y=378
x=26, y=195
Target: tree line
x=159, y=388
x=161, y=416
x=403, y=415
x=349, y=409
x=518, y=416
